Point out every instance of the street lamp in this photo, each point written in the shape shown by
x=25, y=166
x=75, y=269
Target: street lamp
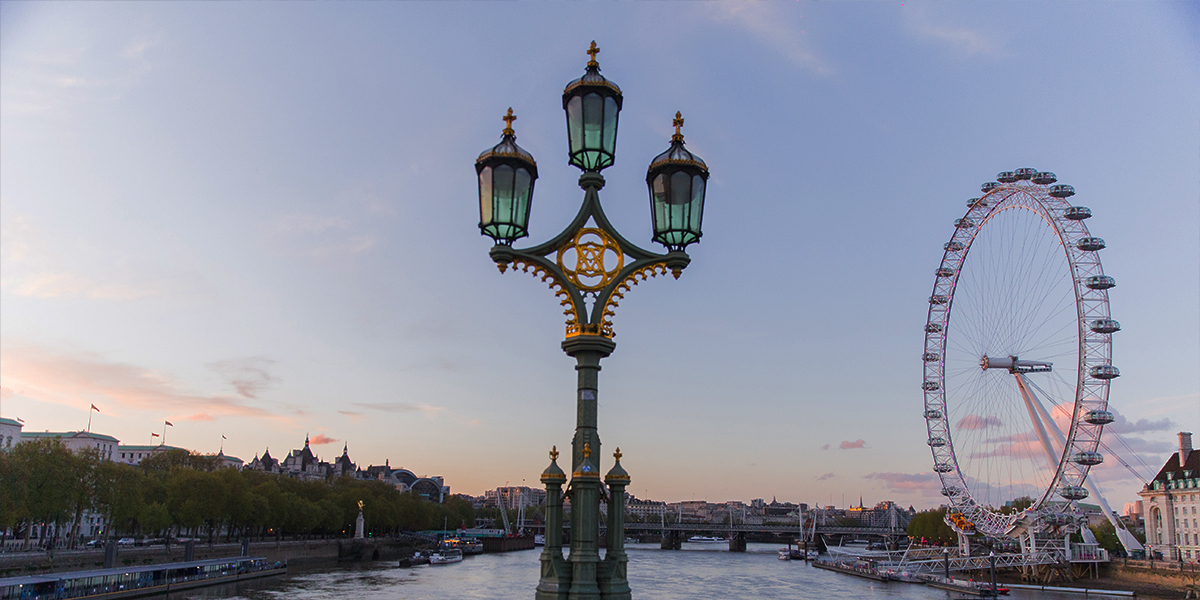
x=590, y=267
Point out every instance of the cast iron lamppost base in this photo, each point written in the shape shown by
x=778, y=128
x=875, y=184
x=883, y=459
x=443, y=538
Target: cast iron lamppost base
x=590, y=267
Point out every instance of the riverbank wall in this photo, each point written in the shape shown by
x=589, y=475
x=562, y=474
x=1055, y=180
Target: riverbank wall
x=13, y=564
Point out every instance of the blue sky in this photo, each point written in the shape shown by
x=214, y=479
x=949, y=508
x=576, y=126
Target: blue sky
x=259, y=220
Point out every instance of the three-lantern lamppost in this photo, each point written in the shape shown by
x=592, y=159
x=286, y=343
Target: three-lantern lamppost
x=590, y=267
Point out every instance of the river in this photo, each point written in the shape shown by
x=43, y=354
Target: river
x=696, y=571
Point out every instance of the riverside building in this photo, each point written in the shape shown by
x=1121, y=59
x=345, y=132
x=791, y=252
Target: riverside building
x=1171, y=505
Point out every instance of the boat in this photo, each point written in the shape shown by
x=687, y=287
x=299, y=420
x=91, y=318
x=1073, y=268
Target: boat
x=467, y=545
x=812, y=555
x=702, y=539
x=539, y=540
x=126, y=582
x=446, y=556
x=785, y=554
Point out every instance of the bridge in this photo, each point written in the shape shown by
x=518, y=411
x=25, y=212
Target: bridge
x=673, y=534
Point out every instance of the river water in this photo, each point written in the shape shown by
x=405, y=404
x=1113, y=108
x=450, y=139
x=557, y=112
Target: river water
x=697, y=571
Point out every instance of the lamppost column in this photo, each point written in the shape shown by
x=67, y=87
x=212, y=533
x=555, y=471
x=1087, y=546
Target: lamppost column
x=555, y=582
x=614, y=579
x=587, y=350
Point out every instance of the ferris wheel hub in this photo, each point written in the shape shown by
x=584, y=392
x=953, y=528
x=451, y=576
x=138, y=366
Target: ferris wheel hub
x=1014, y=365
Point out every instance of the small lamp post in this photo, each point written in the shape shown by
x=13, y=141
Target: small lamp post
x=590, y=267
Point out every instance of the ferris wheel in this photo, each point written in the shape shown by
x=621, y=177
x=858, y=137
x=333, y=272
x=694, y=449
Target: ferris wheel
x=1017, y=359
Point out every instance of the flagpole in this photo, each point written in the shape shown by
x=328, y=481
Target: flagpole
x=89, y=420
x=164, y=437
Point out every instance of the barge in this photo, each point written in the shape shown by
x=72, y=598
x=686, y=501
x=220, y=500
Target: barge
x=134, y=581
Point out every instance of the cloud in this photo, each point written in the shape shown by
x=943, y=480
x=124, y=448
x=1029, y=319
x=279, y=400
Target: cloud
x=400, y=407
x=77, y=378
x=765, y=22
x=57, y=285
x=200, y=417
x=825, y=447
x=926, y=483
x=249, y=376
x=845, y=445
x=320, y=439
x=6, y=393
x=1124, y=425
x=826, y=476
x=978, y=422
x=964, y=41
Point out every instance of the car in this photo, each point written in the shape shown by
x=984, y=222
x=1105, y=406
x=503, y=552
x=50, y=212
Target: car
x=125, y=542
x=94, y=543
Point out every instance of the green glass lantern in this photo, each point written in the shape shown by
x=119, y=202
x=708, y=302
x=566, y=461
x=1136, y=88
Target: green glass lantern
x=677, y=180
x=506, y=176
x=592, y=104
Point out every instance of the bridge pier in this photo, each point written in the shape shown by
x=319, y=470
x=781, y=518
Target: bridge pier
x=671, y=540
x=737, y=541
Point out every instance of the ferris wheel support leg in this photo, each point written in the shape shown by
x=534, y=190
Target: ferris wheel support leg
x=1128, y=541
x=1032, y=405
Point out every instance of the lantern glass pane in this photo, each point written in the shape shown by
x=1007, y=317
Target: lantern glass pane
x=485, y=196
x=502, y=183
x=593, y=119
x=575, y=123
x=697, y=203
x=521, y=190
x=679, y=189
x=610, y=125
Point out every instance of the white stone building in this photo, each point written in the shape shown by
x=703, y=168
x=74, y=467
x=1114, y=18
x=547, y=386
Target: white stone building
x=1171, y=502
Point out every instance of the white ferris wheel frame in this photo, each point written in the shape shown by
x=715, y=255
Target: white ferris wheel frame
x=1095, y=350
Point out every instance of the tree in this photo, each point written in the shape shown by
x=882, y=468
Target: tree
x=931, y=525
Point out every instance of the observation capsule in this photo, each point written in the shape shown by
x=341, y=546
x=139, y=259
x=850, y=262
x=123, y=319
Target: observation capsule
x=1090, y=244
x=953, y=246
x=1100, y=282
x=1062, y=191
x=1090, y=459
x=1099, y=417
x=950, y=490
x=989, y=186
x=980, y=202
x=943, y=468
x=931, y=357
x=938, y=299
x=933, y=328
x=1057, y=519
x=1104, y=372
x=1105, y=326
x=931, y=386
x=933, y=413
x=936, y=442
x=1006, y=177
x=964, y=223
x=1025, y=174
x=1073, y=492
x=945, y=272
x=1044, y=178
x=1077, y=213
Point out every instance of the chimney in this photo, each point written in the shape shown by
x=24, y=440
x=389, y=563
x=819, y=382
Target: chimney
x=1185, y=447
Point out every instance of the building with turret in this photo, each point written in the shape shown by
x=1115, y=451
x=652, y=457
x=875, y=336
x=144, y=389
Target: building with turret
x=1171, y=505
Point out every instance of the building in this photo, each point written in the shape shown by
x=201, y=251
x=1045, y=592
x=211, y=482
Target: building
x=1170, y=505
x=133, y=455
x=10, y=433
x=77, y=441
x=512, y=497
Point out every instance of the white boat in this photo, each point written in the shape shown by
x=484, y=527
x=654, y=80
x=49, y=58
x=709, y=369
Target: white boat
x=785, y=554
x=446, y=556
x=701, y=539
x=539, y=540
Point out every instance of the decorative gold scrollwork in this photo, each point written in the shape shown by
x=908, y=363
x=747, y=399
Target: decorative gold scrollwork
x=592, y=259
x=564, y=298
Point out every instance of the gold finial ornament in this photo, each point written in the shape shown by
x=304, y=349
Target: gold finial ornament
x=360, y=505
x=678, y=123
x=617, y=455
x=587, y=449
x=592, y=52
x=553, y=452
x=508, y=120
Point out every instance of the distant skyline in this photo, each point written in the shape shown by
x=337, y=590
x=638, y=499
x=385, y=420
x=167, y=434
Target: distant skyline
x=260, y=221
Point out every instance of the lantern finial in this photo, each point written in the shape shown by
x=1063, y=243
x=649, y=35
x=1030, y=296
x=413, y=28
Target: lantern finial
x=592, y=52
x=678, y=123
x=508, y=121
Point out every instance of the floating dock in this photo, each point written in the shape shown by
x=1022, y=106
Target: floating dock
x=133, y=582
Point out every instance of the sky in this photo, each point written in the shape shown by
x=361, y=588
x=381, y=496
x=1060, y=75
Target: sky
x=259, y=221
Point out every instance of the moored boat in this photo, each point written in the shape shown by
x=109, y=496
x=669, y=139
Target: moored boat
x=702, y=539
x=446, y=556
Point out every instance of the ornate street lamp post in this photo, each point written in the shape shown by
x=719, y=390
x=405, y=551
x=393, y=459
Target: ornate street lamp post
x=590, y=267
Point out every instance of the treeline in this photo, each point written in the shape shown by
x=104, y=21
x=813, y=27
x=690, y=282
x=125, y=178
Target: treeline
x=179, y=493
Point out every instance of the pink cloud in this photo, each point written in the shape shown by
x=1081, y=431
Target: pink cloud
x=826, y=476
x=81, y=377
x=320, y=439
x=199, y=417
x=978, y=422
x=926, y=483
x=852, y=445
